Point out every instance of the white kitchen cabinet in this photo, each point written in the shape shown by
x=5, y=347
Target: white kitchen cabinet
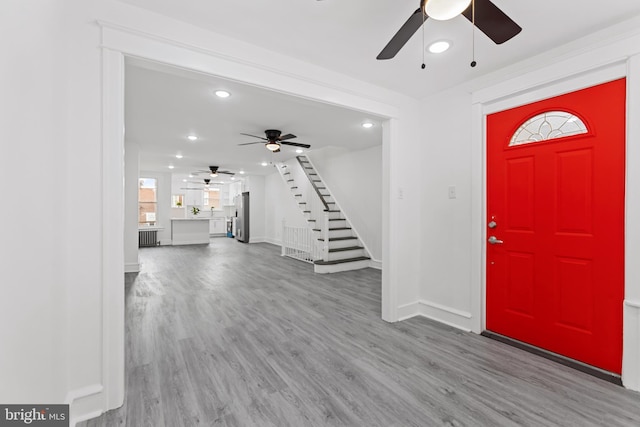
x=218, y=226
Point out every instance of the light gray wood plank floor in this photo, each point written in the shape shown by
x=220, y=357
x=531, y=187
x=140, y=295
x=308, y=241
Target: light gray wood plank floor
x=233, y=334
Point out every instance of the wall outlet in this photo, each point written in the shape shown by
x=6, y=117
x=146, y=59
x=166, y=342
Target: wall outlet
x=400, y=193
x=452, y=191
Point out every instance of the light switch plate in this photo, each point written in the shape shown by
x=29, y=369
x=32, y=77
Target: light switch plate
x=452, y=191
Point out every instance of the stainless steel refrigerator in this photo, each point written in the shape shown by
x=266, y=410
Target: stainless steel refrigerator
x=242, y=220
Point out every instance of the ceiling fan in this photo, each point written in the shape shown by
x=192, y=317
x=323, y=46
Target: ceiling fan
x=213, y=172
x=207, y=185
x=274, y=140
x=485, y=15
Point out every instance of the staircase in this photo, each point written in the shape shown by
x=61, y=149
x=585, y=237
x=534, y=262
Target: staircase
x=337, y=246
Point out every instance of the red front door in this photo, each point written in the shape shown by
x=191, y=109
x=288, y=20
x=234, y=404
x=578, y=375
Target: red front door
x=555, y=270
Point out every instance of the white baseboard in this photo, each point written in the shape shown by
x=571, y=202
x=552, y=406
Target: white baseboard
x=631, y=345
x=132, y=267
x=258, y=240
x=374, y=263
x=273, y=241
x=449, y=316
x=85, y=403
x=166, y=242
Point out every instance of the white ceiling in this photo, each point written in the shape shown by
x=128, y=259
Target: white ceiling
x=163, y=105
x=346, y=36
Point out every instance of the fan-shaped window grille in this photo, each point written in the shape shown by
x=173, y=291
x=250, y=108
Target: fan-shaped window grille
x=549, y=125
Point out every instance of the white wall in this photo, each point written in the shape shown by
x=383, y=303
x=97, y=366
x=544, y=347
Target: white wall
x=256, y=187
x=280, y=205
x=354, y=178
x=34, y=137
x=446, y=255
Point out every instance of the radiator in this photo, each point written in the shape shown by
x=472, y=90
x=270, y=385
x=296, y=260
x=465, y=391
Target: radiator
x=147, y=238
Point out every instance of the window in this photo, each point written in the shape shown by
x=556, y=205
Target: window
x=147, y=201
x=211, y=198
x=177, y=200
x=548, y=125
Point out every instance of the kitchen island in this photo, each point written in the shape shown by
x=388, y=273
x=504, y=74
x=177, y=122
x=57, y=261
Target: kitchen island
x=190, y=231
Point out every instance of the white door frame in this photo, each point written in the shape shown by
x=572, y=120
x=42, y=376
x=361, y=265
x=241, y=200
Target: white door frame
x=119, y=42
x=563, y=77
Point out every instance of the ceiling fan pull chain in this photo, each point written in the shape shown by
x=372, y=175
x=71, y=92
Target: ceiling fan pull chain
x=424, y=18
x=473, y=34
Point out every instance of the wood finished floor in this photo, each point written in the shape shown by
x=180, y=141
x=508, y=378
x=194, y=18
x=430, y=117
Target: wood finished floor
x=233, y=334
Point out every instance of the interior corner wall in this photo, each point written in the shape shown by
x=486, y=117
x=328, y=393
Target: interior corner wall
x=446, y=169
x=280, y=205
x=354, y=178
x=131, y=190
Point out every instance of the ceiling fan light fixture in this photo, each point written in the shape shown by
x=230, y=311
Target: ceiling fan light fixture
x=439, y=47
x=222, y=94
x=272, y=145
x=367, y=125
x=213, y=174
x=443, y=10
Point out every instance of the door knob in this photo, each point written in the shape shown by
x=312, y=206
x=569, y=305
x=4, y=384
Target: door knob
x=492, y=224
x=494, y=241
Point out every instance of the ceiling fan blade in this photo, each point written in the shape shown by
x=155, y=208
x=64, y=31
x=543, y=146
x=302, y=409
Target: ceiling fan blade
x=287, y=136
x=295, y=144
x=259, y=137
x=226, y=172
x=492, y=21
x=249, y=143
x=403, y=35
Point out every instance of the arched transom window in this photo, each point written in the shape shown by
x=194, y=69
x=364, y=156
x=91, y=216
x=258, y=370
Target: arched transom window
x=548, y=125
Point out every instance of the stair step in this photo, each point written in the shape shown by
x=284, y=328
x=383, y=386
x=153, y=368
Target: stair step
x=287, y=173
x=337, y=219
x=302, y=203
x=334, y=229
x=293, y=188
x=311, y=220
x=313, y=174
x=297, y=195
x=289, y=180
x=331, y=210
x=342, y=261
x=334, y=239
x=348, y=248
x=306, y=211
x=315, y=180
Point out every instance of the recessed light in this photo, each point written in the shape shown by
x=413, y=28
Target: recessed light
x=241, y=172
x=171, y=166
x=233, y=178
x=439, y=46
x=264, y=164
x=299, y=150
x=192, y=138
x=190, y=176
x=222, y=94
x=184, y=180
x=178, y=156
x=367, y=125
